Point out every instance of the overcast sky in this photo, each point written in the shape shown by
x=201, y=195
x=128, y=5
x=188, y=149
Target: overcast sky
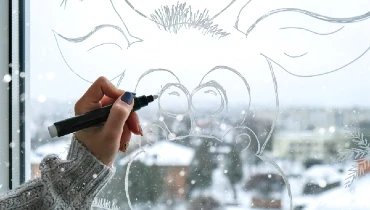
x=190, y=55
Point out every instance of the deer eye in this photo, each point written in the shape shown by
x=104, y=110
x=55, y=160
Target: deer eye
x=174, y=100
x=208, y=99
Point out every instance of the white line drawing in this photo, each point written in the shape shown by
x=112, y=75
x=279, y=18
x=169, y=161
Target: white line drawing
x=298, y=28
x=97, y=28
x=102, y=203
x=103, y=28
x=227, y=4
x=173, y=18
x=359, y=152
x=130, y=38
x=121, y=75
x=112, y=43
x=126, y=178
x=349, y=20
x=296, y=56
x=269, y=59
x=248, y=134
x=189, y=95
x=65, y=3
x=305, y=12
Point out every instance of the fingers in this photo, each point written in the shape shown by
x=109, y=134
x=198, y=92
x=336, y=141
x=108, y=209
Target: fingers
x=102, y=86
x=107, y=101
x=91, y=99
x=125, y=138
x=132, y=121
x=118, y=116
x=134, y=124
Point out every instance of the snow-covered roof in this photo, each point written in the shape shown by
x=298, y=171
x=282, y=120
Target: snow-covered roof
x=318, y=173
x=59, y=148
x=162, y=153
x=355, y=198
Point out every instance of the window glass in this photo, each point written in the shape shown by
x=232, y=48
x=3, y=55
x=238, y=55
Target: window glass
x=262, y=104
x=4, y=103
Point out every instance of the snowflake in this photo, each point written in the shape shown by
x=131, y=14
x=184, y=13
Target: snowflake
x=358, y=152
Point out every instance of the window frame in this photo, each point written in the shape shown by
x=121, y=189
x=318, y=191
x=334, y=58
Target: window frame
x=13, y=116
x=5, y=24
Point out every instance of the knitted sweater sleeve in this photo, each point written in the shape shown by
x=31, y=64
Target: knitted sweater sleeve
x=64, y=184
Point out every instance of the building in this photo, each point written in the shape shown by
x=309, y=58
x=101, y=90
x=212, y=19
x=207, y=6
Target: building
x=172, y=158
x=323, y=143
x=298, y=119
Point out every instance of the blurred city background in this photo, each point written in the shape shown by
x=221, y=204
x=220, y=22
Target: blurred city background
x=201, y=173
x=319, y=140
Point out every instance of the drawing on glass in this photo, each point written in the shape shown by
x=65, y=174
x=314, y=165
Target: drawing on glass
x=360, y=149
x=172, y=17
x=286, y=50
x=359, y=152
x=116, y=38
x=337, y=25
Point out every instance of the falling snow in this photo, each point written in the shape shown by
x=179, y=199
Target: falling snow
x=223, y=126
x=50, y=75
x=41, y=98
x=260, y=122
x=171, y=136
x=179, y=117
x=7, y=78
x=22, y=97
x=12, y=145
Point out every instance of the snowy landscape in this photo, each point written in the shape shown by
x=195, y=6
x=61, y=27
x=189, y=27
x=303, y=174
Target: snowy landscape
x=275, y=115
x=199, y=173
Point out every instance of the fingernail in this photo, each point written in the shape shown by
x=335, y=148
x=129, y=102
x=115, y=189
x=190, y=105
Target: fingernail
x=140, y=130
x=127, y=97
x=125, y=147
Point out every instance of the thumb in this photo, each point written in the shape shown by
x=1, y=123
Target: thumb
x=118, y=115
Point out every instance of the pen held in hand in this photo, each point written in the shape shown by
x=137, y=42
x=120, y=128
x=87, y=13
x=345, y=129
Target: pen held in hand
x=92, y=118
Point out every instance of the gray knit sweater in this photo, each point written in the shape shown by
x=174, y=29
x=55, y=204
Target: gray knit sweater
x=64, y=184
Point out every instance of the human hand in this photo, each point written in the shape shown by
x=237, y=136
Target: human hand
x=104, y=141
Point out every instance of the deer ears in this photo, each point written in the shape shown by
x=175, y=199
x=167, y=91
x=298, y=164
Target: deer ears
x=101, y=43
x=305, y=42
x=87, y=56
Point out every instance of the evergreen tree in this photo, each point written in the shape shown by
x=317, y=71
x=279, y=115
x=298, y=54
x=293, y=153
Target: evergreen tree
x=145, y=184
x=234, y=168
x=200, y=175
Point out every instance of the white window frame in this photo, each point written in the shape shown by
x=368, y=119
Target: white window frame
x=4, y=95
x=14, y=103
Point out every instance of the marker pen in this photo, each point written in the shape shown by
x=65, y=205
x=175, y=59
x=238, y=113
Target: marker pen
x=93, y=118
